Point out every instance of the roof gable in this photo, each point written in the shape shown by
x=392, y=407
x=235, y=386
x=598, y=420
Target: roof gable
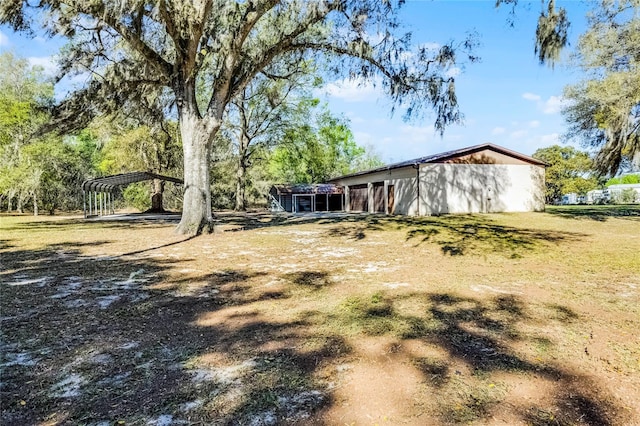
x=470, y=155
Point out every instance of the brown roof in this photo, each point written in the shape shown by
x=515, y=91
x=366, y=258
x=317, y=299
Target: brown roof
x=308, y=188
x=447, y=156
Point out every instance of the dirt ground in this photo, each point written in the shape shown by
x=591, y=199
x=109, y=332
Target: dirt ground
x=503, y=319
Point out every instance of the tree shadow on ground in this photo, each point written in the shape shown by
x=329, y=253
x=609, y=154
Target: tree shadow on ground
x=87, y=339
x=600, y=213
x=479, y=335
x=461, y=235
x=54, y=223
x=456, y=235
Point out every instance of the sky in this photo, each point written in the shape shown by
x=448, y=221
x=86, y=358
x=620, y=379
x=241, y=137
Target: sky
x=508, y=98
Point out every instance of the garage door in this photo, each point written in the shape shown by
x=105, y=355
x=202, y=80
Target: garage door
x=358, y=198
x=378, y=197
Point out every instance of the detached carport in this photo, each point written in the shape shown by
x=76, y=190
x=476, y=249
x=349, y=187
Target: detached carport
x=97, y=194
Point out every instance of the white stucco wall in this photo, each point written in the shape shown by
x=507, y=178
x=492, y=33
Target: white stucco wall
x=478, y=188
x=459, y=188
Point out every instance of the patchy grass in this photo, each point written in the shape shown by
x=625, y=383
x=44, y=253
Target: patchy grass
x=323, y=319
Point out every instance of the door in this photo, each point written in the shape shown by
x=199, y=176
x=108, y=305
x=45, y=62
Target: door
x=303, y=203
x=391, y=192
x=378, y=197
x=358, y=198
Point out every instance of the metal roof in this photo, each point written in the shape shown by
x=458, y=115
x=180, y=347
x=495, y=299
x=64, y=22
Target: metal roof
x=304, y=188
x=444, y=156
x=110, y=183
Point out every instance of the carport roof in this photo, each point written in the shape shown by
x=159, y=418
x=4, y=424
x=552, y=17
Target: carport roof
x=110, y=183
x=303, y=188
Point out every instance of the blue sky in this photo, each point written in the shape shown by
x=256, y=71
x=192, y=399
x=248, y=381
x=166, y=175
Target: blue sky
x=507, y=99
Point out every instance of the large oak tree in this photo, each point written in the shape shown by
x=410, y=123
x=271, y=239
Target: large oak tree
x=604, y=108
x=136, y=49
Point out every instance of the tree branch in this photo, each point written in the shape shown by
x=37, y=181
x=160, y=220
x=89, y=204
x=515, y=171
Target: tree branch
x=137, y=44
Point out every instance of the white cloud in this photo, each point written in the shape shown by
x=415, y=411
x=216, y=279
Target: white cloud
x=518, y=134
x=553, y=105
x=498, y=131
x=530, y=145
x=46, y=62
x=4, y=40
x=363, y=138
x=531, y=97
x=374, y=38
x=453, y=72
x=533, y=124
x=430, y=46
x=553, y=138
x=416, y=134
x=353, y=90
x=354, y=118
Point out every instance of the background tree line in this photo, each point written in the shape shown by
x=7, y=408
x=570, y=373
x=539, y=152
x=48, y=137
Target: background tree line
x=275, y=132
x=571, y=170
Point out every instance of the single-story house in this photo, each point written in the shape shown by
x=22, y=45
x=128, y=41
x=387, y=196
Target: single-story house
x=477, y=179
x=307, y=197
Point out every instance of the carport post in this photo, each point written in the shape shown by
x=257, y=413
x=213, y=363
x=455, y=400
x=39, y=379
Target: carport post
x=84, y=203
x=95, y=203
x=347, y=199
x=326, y=205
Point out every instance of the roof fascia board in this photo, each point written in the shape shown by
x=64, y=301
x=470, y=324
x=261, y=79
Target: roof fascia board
x=438, y=158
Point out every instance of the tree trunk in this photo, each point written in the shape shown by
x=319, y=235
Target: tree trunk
x=196, y=206
x=241, y=183
x=156, y=196
x=19, y=205
x=243, y=147
x=35, y=204
x=9, y=203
